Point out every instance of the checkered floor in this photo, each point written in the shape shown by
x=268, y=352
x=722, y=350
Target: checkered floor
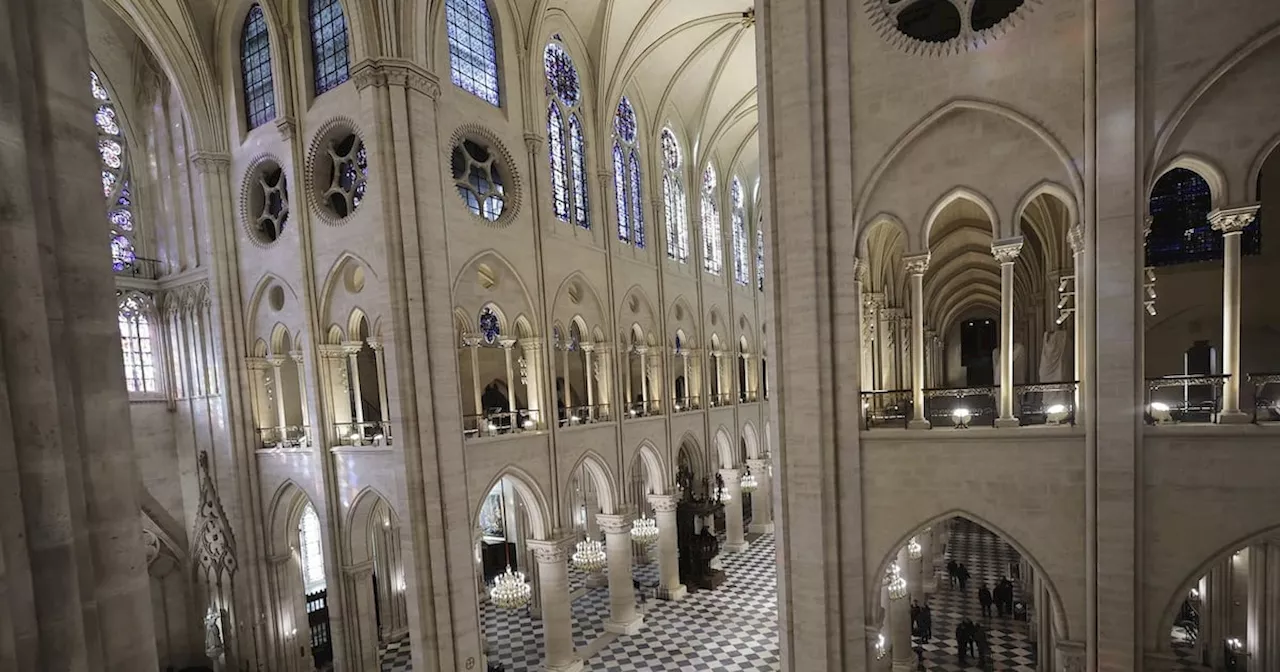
x=987, y=559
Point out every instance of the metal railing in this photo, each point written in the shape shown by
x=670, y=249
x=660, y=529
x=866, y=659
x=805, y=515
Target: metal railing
x=882, y=408
x=686, y=404
x=942, y=403
x=1046, y=403
x=142, y=267
x=1266, y=397
x=747, y=396
x=718, y=400
x=499, y=423
x=368, y=433
x=291, y=436
x=584, y=415
x=643, y=409
x=1183, y=398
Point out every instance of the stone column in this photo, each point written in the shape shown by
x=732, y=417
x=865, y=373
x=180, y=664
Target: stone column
x=381, y=364
x=928, y=570
x=900, y=621
x=474, y=343
x=557, y=626
x=623, y=618
x=688, y=382
x=1006, y=252
x=627, y=398
x=362, y=641
x=564, y=373
x=664, y=513
x=69, y=486
x=507, y=352
x=1216, y=613
x=1075, y=237
x=282, y=423
x=258, y=383
x=734, y=540
x=643, y=351
x=302, y=397
x=352, y=351
x=1232, y=222
x=875, y=302
x=915, y=570
x=1258, y=618
x=587, y=350
x=761, y=499
x=531, y=374
x=916, y=266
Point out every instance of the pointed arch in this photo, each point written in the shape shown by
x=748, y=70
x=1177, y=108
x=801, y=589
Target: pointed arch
x=598, y=470
x=285, y=512
x=530, y=494
x=695, y=453
x=724, y=448
x=256, y=79
x=360, y=519
x=473, y=49
x=1202, y=166
x=330, y=45
x=647, y=455
x=956, y=194
x=753, y=441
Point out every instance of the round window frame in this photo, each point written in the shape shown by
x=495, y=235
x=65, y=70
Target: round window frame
x=330, y=131
x=513, y=191
x=886, y=24
x=248, y=185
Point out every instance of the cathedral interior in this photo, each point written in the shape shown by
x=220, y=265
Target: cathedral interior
x=635, y=335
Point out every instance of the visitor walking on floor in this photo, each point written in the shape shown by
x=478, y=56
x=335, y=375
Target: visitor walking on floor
x=951, y=573
x=984, y=599
x=962, y=575
x=926, y=623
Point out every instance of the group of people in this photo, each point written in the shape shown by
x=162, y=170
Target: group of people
x=971, y=639
x=1002, y=596
x=957, y=573
x=921, y=621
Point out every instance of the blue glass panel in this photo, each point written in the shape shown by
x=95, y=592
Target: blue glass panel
x=473, y=54
x=255, y=69
x=620, y=193
x=489, y=327
x=562, y=76
x=624, y=121
x=1180, y=230
x=577, y=150
x=555, y=148
x=329, y=58
x=637, y=217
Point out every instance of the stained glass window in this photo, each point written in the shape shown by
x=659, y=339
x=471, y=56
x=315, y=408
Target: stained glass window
x=473, y=54
x=759, y=257
x=626, y=175
x=135, y=343
x=712, y=247
x=255, y=69
x=674, y=207
x=310, y=553
x=1180, y=229
x=478, y=180
x=113, y=157
x=329, y=56
x=489, y=326
x=741, y=267
x=620, y=193
x=566, y=144
x=578, y=160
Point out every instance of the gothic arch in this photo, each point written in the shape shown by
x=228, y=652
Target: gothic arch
x=360, y=518
x=598, y=471
x=648, y=456
x=1061, y=625
x=724, y=448
x=286, y=512
x=753, y=441
x=1201, y=166
x=488, y=277
x=530, y=494
x=956, y=194
x=230, y=24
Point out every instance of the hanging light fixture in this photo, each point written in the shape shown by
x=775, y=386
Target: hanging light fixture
x=913, y=549
x=895, y=583
x=590, y=556
x=510, y=590
x=644, y=530
x=749, y=483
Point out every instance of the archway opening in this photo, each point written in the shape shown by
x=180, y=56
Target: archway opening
x=310, y=549
x=505, y=523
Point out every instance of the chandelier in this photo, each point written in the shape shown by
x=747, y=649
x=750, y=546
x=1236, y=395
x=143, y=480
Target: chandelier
x=913, y=549
x=644, y=530
x=749, y=483
x=895, y=583
x=510, y=591
x=590, y=556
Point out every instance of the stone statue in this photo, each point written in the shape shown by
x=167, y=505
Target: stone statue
x=213, y=646
x=1054, y=360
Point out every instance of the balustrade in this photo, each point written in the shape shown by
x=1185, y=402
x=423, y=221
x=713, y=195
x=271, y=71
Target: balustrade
x=1046, y=403
x=687, y=404
x=961, y=406
x=886, y=407
x=640, y=409
x=584, y=415
x=368, y=433
x=718, y=400
x=1266, y=396
x=498, y=423
x=292, y=436
x=1184, y=398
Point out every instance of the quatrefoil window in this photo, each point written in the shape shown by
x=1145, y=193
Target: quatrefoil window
x=273, y=210
x=348, y=174
x=478, y=178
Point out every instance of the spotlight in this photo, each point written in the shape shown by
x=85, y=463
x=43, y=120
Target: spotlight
x=1160, y=413
x=1056, y=414
x=528, y=423
x=960, y=417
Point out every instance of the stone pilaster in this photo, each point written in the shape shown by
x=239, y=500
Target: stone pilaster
x=761, y=499
x=623, y=618
x=734, y=541
x=664, y=512
x=557, y=625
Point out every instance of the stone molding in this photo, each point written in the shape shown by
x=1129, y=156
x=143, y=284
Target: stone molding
x=1233, y=220
x=551, y=552
x=916, y=264
x=614, y=523
x=663, y=503
x=210, y=162
x=380, y=72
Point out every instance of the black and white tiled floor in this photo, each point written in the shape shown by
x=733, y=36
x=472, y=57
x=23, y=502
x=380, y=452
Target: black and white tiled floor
x=731, y=629
x=987, y=558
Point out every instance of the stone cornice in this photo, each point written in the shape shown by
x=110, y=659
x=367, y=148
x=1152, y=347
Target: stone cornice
x=379, y=72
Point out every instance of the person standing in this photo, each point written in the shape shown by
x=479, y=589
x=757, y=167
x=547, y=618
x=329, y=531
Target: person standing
x=984, y=647
x=926, y=623
x=962, y=640
x=962, y=575
x=984, y=599
x=951, y=572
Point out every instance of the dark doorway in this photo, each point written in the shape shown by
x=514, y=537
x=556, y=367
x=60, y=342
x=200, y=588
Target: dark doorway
x=978, y=341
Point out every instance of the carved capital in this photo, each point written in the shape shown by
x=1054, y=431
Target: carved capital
x=1233, y=220
x=641, y=350
x=532, y=142
x=506, y=343
x=530, y=344
x=731, y=476
x=1075, y=237
x=1006, y=250
x=588, y=347
x=329, y=351
x=374, y=344
x=916, y=264
x=551, y=552
x=350, y=348
x=359, y=571
x=757, y=466
x=859, y=270
x=276, y=361
x=210, y=162
x=257, y=363
x=286, y=126
x=663, y=503
x=296, y=355
x=614, y=523
x=873, y=300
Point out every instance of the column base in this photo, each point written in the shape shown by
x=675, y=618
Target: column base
x=899, y=666
x=597, y=580
x=919, y=424
x=673, y=594
x=1234, y=418
x=1002, y=423
x=760, y=528
x=630, y=627
x=735, y=547
x=574, y=665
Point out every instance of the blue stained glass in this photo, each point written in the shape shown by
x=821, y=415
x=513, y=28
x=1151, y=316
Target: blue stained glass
x=679, y=345
x=562, y=76
x=637, y=217
x=741, y=270
x=489, y=327
x=670, y=150
x=620, y=193
x=255, y=69
x=473, y=54
x=669, y=213
x=759, y=258
x=122, y=255
x=577, y=151
x=559, y=176
x=329, y=57
x=113, y=157
x=1180, y=229
x=624, y=121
